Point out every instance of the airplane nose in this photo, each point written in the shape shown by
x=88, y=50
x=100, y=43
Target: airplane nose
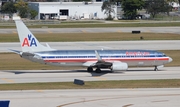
x=170, y=59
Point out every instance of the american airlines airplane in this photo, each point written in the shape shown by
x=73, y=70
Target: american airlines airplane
x=115, y=60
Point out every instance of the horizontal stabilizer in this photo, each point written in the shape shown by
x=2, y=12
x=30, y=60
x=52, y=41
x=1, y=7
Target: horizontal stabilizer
x=15, y=51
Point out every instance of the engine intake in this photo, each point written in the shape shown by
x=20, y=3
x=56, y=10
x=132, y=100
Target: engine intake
x=119, y=66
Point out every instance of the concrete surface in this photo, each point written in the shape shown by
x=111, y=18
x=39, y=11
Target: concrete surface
x=149, y=45
x=30, y=76
x=156, y=97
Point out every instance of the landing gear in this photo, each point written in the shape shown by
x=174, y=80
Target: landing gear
x=155, y=69
x=90, y=69
x=98, y=70
x=111, y=70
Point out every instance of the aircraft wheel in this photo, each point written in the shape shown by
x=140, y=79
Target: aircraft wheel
x=155, y=69
x=112, y=71
x=90, y=69
x=98, y=70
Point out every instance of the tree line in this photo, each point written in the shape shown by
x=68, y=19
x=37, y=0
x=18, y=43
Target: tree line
x=19, y=7
x=130, y=7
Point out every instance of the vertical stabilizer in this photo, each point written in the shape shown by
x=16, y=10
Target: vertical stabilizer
x=28, y=41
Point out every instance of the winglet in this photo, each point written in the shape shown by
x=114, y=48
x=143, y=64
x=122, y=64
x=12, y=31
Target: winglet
x=47, y=45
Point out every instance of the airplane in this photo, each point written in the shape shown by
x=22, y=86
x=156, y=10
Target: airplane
x=115, y=60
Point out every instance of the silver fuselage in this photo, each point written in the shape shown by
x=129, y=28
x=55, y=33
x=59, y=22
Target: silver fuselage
x=79, y=57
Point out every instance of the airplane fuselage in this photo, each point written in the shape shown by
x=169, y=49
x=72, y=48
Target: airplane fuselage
x=80, y=57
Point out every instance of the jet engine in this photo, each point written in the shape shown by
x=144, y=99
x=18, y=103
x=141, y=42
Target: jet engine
x=119, y=66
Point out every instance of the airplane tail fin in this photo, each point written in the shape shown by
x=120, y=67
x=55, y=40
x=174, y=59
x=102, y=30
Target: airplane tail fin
x=28, y=41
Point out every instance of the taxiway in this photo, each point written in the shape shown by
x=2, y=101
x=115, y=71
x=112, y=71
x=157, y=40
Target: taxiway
x=156, y=97
x=34, y=76
x=150, y=45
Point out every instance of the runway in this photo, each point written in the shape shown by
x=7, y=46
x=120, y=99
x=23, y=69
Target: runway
x=99, y=30
x=149, y=45
x=156, y=97
x=33, y=76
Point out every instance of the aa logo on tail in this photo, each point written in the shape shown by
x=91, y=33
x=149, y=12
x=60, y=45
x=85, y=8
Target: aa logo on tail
x=29, y=41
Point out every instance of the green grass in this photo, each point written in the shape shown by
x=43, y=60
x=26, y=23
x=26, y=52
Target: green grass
x=89, y=25
x=63, y=37
x=83, y=21
x=166, y=18
x=169, y=83
x=175, y=55
x=95, y=25
x=11, y=61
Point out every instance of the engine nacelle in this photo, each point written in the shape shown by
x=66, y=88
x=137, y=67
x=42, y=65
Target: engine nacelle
x=119, y=66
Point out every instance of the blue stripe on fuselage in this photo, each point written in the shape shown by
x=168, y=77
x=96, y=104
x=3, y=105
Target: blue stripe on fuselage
x=95, y=56
x=102, y=53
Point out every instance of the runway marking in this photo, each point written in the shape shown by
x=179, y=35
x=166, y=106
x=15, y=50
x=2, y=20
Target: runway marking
x=148, y=31
x=119, y=31
x=161, y=101
x=8, y=80
x=101, y=78
x=133, y=89
x=40, y=91
x=84, y=31
x=127, y=105
x=49, y=31
x=120, y=97
x=14, y=31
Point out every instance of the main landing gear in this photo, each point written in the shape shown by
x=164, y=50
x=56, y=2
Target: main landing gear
x=155, y=69
x=98, y=70
x=90, y=69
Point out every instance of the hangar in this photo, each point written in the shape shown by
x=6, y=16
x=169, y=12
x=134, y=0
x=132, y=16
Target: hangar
x=69, y=10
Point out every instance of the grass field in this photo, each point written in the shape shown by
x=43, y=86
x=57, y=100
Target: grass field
x=63, y=37
x=95, y=25
x=11, y=61
x=169, y=83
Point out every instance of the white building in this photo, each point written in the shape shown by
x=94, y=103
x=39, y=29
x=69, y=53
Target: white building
x=175, y=5
x=69, y=10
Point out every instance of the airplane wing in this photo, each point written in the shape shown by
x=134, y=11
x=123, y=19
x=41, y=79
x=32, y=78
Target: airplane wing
x=100, y=63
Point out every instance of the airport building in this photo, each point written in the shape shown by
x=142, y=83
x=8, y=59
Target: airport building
x=69, y=10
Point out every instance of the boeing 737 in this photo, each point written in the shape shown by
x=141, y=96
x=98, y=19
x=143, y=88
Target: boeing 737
x=115, y=60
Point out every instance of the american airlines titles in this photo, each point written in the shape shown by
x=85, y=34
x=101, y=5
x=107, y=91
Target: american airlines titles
x=137, y=53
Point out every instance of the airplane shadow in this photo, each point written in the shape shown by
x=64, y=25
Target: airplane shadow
x=93, y=74
x=142, y=70
x=60, y=71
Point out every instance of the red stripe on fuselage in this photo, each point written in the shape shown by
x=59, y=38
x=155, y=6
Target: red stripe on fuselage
x=117, y=59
